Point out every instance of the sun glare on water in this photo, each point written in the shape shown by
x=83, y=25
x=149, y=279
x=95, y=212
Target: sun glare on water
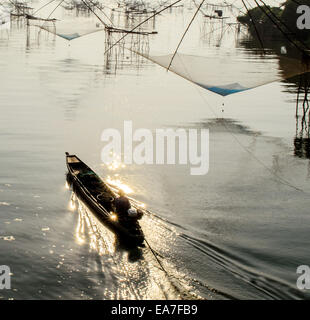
x=113, y=217
x=116, y=163
x=120, y=185
x=72, y=205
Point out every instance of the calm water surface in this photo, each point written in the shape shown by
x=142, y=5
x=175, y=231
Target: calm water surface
x=237, y=232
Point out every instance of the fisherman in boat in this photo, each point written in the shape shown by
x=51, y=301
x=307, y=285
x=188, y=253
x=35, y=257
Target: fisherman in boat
x=122, y=204
x=123, y=207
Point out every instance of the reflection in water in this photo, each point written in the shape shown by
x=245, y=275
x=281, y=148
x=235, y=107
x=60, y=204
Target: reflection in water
x=135, y=269
x=117, y=183
x=34, y=33
x=146, y=272
x=227, y=214
x=115, y=162
x=302, y=139
x=227, y=125
x=298, y=84
x=88, y=229
x=104, y=243
x=72, y=204
x=302, y=147
x=17, y=22
x=302, y=106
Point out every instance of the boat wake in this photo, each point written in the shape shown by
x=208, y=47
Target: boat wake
x=135, y=272
x=157, y=270
x=271, y=287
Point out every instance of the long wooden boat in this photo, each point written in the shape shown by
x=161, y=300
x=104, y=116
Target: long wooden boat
x=98, y=196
